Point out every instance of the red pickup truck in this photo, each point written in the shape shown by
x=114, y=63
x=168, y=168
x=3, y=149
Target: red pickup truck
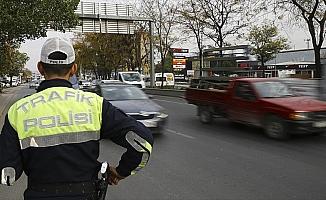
x=266, y=103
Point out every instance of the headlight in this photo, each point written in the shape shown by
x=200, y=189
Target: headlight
x=162, y=115
x=299, y=116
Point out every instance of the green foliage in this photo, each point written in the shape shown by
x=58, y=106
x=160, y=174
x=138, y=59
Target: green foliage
x=266, y=42
x=104, y=53
x=13, y=61
x=25, y=19
x=27, y=73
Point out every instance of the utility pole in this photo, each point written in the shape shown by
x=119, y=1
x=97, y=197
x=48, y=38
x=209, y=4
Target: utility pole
x=152, y=71
x=201, y=56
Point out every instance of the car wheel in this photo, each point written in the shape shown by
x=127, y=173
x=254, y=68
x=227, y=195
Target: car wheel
x=205, y=115
x=275, y=128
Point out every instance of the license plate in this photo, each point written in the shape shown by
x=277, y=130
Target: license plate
x=319, y=124
x=149, y=123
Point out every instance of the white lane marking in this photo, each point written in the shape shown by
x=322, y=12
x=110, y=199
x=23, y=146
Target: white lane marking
x=173, y=102
x=181, y=134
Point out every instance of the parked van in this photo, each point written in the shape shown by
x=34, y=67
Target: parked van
x=132, y=77
x=168, y=79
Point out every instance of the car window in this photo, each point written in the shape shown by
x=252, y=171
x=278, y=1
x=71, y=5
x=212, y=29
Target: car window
x=244, y=91
x=273, y=89
x=131, y=77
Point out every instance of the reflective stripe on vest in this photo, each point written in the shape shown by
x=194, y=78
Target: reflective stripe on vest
x=55, y=116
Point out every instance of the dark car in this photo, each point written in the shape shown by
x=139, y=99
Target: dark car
x=133, y=101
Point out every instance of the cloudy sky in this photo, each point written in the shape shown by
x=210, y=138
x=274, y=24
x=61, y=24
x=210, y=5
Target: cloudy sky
x=296, y=38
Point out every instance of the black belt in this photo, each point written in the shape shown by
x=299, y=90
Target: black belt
x=78, y=188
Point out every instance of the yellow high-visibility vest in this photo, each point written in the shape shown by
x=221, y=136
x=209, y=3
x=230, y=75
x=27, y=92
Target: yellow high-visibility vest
x=57, y=115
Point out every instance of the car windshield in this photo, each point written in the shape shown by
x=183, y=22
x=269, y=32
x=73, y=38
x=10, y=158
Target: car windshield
x=131, y=76
x=273, y=89
x=117, y=93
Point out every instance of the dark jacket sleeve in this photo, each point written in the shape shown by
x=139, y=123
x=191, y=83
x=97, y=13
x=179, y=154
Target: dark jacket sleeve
x=11, y=166
x=128, y=133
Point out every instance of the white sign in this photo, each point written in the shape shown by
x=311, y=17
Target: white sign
x=190, y=72
x=179, y=66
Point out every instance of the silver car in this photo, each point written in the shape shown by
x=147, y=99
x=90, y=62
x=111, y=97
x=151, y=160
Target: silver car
x=134, y=102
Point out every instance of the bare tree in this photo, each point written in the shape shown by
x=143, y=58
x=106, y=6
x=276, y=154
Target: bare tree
x=310, y=14
x=192, y=18
x=163, y=14
x=224, y=18
x=313, y=13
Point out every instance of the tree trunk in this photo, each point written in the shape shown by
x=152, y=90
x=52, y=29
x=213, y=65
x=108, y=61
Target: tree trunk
x=115, y=73
x=263, y=66
x=201, y=62
x=319, y=71
x=220, y=45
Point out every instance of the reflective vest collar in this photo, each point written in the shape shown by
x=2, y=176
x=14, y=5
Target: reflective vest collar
x=53, y=83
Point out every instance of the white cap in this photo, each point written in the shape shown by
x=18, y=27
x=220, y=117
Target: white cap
x=57, y=44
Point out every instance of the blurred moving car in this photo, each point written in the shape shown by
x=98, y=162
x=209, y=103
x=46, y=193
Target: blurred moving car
x=135, y=103
x=263, y=102
x=303, y=87
x=109, y=82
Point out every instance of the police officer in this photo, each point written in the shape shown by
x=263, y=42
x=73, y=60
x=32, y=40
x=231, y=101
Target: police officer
x=53, y=135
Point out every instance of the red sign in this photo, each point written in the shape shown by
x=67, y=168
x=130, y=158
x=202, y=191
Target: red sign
x=177, y=50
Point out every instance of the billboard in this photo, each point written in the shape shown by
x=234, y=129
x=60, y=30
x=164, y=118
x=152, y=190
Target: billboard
x=179, y=63
x=103, y=17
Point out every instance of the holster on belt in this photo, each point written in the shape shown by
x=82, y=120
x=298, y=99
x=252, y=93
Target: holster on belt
x=103, y=181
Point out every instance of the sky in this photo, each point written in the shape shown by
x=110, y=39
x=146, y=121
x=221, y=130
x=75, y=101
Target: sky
x=296, y=37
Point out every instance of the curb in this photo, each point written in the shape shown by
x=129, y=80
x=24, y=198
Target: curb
x=165, y=92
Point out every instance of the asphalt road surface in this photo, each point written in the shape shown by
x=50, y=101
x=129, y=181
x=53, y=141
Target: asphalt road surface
x=220, y=161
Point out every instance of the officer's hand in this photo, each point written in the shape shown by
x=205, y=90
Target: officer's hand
x=114, y=177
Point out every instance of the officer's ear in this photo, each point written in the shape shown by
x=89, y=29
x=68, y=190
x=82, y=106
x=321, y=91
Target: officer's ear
x=73, y=70
x=40, y=68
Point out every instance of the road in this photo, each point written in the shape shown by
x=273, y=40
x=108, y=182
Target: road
x=192, y=161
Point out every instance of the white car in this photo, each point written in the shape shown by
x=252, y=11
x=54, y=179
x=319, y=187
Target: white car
x=132, y=77
x=34, y=84
x=14, y=83
x=84, y=84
